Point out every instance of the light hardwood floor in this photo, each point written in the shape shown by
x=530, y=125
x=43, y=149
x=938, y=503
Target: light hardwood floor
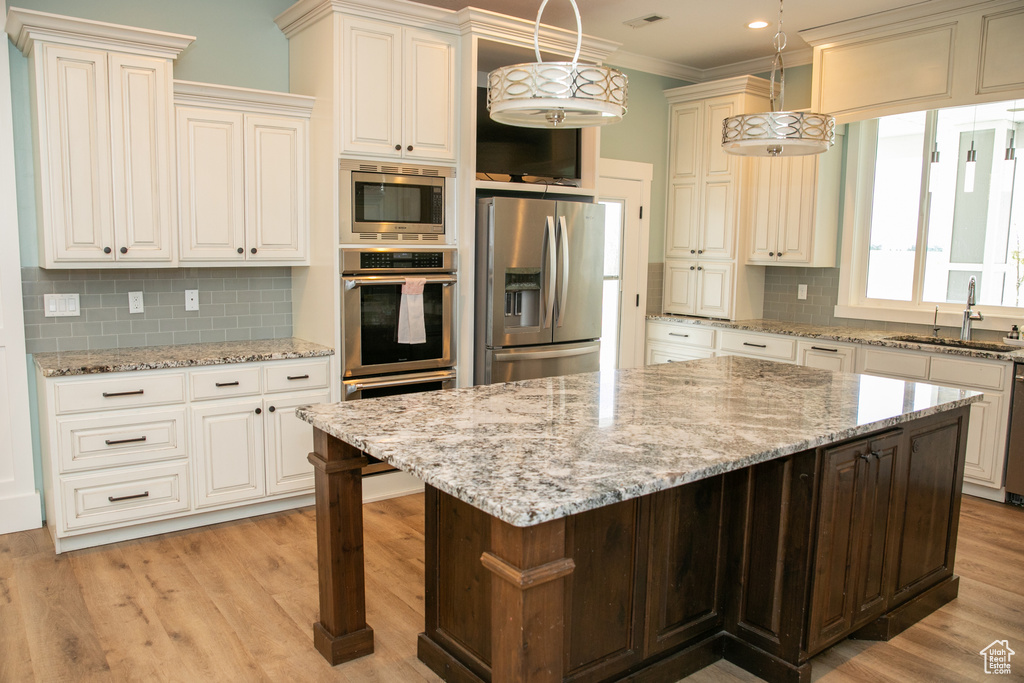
x=235, y=602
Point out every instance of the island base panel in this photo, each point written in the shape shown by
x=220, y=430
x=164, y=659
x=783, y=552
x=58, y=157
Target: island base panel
x=890, y=625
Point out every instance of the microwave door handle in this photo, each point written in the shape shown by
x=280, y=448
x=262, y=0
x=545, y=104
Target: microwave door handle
x=549, y=223
x=564, y=233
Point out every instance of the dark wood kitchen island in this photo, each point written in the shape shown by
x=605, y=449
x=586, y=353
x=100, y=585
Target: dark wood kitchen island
x=645, y=523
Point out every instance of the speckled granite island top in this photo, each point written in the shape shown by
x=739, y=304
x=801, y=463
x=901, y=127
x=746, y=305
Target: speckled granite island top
x=527, y=452
x=65, y=363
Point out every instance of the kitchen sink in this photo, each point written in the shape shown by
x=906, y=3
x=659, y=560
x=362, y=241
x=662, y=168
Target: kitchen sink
x=948, y=341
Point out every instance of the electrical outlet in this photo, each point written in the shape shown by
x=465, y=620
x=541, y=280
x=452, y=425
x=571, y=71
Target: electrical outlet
x=61, y=305
x=801, y=292
x=191, y=299
x=135, y=302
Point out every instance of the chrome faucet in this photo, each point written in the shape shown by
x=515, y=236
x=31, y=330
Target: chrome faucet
x=969, y=316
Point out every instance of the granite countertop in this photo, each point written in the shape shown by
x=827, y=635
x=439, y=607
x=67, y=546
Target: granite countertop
x=531, y=451
x=854, y=335
x=65, y=363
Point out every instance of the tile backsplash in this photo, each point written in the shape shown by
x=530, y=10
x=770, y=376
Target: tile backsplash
x=655, y=283
x=234, y=304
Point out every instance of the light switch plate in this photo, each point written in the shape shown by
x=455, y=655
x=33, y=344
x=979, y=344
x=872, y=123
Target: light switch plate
x=801, y=292
x=191, y=299
x=135, y=302
x=61, y=305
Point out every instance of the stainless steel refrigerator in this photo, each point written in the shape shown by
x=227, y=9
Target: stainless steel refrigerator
x=539, y=275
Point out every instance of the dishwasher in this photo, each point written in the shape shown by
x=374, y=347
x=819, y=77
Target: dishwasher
x=1015, y=444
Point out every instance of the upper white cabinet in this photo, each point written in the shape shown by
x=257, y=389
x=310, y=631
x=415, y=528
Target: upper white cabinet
x=704, y=271
x=399, y=90
x=102, y=113
x=243, y=191
x=792, y=211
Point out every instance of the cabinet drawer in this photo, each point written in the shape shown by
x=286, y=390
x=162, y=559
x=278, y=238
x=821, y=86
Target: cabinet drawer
x=957, y=372
x=120, y=439
x=124, y=496
x=691, y=335
x=666, y=353
x=780, y=348
x=895, y=364
x=135, y=391
x=224, y=383
x=296, y=376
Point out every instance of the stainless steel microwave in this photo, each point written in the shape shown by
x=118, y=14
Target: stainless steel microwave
x=395, y=199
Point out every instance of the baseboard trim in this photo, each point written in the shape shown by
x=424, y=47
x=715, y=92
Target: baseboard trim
x=21, y=512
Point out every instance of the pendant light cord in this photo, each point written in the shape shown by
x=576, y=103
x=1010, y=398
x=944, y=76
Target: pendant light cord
x=779, y=41
x=579, y=31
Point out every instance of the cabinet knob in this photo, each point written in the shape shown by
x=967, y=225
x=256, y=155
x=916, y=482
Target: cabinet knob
x=771, y=253
x=865, y=456
x=241, y=251
x=409, y=148
x=398, y=148
x=700, y=251
x=124, y=250
x=693, y=251
x=106, y=250
x=259, y=411
x=700, y=268
x=253, y=250
x=692, y=268
x=271, y=408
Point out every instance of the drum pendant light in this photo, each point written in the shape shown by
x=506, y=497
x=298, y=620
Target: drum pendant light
x=556, y=94
x=778, y=133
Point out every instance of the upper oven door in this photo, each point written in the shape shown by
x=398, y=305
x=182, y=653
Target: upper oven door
x=370, y=306
x=384, y=202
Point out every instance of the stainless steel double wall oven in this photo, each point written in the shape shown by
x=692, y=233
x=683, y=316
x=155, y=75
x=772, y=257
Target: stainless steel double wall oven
x=375, y=363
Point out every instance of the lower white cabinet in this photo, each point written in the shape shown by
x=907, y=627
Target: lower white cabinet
x=826, y=355
x=221, y=441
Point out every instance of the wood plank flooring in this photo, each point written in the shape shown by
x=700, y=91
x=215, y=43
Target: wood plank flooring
x=236, y=601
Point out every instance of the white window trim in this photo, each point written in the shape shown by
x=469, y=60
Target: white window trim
x=852, y=302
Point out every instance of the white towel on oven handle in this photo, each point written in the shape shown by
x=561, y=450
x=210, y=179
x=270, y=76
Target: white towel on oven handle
x=411, y=328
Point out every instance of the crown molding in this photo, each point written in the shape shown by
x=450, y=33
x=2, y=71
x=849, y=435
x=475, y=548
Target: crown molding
x=25, y=27
x=195, y=94
x=519, y=32
x=746, y=85
x=660, y=67
x=758, y=65
x=306, y=12
x=897, y=19
x=653, y=65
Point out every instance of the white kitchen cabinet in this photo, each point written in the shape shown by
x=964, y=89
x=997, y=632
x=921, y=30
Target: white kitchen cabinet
x=792, y=211
x=398, y=87
x=242, y=175
x=102, y=115
x=130, y=454
x=826, y=355
x=669, y=342
x=699, y=288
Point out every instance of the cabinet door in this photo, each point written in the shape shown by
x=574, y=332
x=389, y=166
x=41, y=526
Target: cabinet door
x=719, y=166
x=371, y=118
x=685, y=147
x=211, y=194
x=718, y=220
x=682, y=235
x=289, y=442
x=228, y=452
x=668, y=353
x=874, y=504
x=714, y=290
x=680, y=287
x=142, y=158
x=275, y=188
x=74, y=150
x=986, y=441
x=762, y=220
x=429, y=87
x=798, y=178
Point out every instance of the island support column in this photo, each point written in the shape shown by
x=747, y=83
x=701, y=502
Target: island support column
x=342, y=633
x=527, y=601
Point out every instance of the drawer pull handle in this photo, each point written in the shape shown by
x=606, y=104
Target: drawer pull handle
x=760, y=346
x=144, y=494
x=298, y=376
x=226, y=384
x=824, y=348
x=137, y=392
x=677, y=334
x=115, y=442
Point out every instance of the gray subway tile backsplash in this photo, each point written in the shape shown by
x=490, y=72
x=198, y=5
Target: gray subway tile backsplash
x=235, y=304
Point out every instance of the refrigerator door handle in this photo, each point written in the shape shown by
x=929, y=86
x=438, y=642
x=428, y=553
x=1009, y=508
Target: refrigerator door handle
x=564, y=234
x=552, y=269
x=541, y=355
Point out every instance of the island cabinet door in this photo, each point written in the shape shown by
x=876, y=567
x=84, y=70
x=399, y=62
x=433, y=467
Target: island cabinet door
x=927, y=506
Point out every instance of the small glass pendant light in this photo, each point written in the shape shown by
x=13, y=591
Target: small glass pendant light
x=971, y=165
x=778, y=132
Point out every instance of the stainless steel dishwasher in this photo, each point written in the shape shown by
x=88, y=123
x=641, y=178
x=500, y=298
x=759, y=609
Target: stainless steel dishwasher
x=1015, y=444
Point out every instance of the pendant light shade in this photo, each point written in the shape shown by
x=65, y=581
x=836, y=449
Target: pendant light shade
x=556, y=94
x=778, y=132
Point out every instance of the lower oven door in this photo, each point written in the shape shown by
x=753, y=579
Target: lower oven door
x=391, y=385
x=370, y=308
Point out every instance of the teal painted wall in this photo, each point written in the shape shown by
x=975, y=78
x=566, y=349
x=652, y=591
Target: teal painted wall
x=798, y=86
x=643, y=136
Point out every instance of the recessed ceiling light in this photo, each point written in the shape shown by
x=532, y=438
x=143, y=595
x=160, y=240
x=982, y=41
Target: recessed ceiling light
x=757, y=24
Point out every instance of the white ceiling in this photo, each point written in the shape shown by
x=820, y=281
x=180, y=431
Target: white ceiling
x=699, y=34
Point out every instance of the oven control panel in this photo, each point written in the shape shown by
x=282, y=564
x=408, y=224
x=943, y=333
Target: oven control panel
x=397, y=260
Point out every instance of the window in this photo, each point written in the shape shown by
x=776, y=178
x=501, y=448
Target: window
x=933, y=207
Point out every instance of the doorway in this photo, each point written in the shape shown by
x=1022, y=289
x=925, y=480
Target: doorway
x=624, y=189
